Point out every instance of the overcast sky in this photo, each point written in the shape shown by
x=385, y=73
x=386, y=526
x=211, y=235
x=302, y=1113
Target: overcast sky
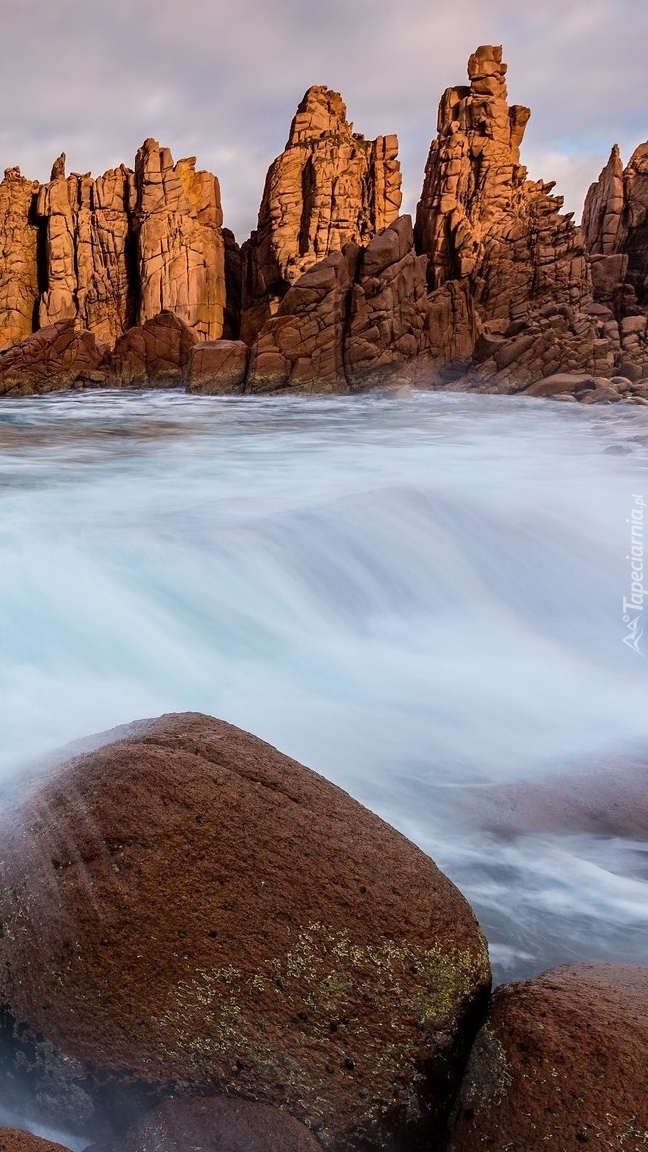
x=221, y=80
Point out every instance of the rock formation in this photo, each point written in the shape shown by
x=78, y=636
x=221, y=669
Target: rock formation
x=615, y=225
x=322, y=965
x=328, y=188
x=210, y=1124
x=560, y=1061
x=113, y=252
x=362, y=317
x=18, y=258
x=54, y=358
x=480, y=219
x=88, y=251
x=181, y=252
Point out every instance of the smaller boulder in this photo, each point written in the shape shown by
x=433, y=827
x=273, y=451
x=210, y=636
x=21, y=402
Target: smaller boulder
x=206, y=1124
x=156, y=354
x=561, y=1062
x=16, y=1140
x=218, y=367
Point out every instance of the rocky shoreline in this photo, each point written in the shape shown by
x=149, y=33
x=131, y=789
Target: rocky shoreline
x=206, y=945
x=131, y=280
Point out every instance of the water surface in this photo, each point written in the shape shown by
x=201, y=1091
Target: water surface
x=419, y=596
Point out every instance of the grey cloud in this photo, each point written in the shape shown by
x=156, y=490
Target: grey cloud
x=221, y=80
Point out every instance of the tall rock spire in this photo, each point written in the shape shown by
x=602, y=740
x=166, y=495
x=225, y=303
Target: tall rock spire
x=329, y=187
x=479, y=217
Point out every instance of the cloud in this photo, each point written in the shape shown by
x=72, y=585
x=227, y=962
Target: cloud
x=221, y=80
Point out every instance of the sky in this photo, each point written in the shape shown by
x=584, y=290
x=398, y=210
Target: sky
x=221, y=80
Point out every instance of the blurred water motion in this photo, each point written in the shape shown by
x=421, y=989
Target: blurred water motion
x=420, y=597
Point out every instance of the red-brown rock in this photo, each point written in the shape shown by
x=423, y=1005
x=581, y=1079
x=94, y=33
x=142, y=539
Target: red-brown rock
x=217, y=367
x=560, y=1062
x=88, y=226
x=18, y=258
x=330, y=187
x=188, y=910
x=158, y=353
x=363, y=318
x=205, y=1124
x=53, y=359
x=479, y=217
x=181, y=252
x=16, y=1140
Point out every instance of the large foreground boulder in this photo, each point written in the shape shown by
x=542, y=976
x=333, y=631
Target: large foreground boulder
x=187, y=910
x=561, y=1063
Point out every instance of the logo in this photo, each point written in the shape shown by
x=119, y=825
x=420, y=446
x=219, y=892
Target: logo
x=633, y=605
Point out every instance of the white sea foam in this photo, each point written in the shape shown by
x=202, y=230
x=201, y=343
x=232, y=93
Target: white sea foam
x=410, y=595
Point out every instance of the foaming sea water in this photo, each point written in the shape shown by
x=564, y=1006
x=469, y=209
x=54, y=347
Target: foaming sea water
x=418, y=596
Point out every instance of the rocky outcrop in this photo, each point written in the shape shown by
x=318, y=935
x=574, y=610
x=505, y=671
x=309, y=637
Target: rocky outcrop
x=181, y=253
x=615, y=225
x=211, y=1124
x=480, y=219
x=561, y=1060
x=113, y=252
x=361, y=318
x=152, y=946
x=88, y=251
x=218, y=367
x=157, y=353
x=53, y=359
x=328, y=188
x=18, y=258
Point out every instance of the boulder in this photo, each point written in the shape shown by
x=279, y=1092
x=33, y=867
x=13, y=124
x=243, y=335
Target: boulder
x=51, y=360
x=560, y=1062
x=187, y=910
x=202, y=1124
x=217, y=367
x=16, y=1140
x=158, y=353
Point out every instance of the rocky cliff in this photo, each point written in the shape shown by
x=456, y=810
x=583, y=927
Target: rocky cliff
x=495, y=290
x=479, y=218
x=329, y=187
x=112, y=252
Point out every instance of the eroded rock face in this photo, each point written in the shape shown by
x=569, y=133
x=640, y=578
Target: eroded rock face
x=88, y=251
x=113, y=252
x=18, y=258
x=205, y=1124
x=615, y=225
x=188, y=910
x=156, y=353
x=479, y=218
x=54, y=358
x=218, y=367
x=362, y=318
x=181, y=252
x=561, y=1060
x=328, y=188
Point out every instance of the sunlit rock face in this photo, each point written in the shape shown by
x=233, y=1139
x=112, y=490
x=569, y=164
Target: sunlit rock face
x=479, y=218
x=188, y=906
x=329, y=187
